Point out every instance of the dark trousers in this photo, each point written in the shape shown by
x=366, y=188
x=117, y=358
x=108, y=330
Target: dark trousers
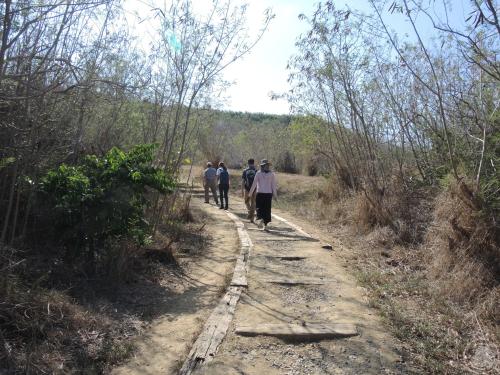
x=263, y=203
x=211, y=185
x=223, y=190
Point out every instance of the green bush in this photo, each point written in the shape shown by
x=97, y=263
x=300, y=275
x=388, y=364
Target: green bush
x=490, y=178
x=103, y=199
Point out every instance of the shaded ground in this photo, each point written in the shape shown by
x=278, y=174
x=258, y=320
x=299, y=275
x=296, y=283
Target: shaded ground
x=56, y=319
x=193, y=292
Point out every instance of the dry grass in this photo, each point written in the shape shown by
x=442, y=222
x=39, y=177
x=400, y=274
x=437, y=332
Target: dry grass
x=431, y=274
x=46, y=331
x=439, y=334
x=463, y=255
x=403, y=207
x=406, y=211
x=54, y=320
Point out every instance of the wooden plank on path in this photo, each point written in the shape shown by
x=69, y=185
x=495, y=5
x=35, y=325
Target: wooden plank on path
x=213, y=332
x=215, y=329
x=223, y=322
x=298, y=281
x=306, y=331
x=240, y=273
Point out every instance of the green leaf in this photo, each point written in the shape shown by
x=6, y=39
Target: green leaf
x=6, y=161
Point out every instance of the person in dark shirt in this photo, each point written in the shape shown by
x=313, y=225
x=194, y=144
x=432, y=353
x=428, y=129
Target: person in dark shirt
x=223, y=179
x=247, y=180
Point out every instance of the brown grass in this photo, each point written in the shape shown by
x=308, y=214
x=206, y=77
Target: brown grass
x=45, y=331
x=432, y=274
x=464, y=255
x=55, y=320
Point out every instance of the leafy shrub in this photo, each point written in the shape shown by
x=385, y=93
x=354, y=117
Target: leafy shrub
x=103, y=199
x=490, y=180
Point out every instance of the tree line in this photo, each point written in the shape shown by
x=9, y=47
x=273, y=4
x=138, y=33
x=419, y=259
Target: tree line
x=75, y=81
x=423, y=112
x=95, y=121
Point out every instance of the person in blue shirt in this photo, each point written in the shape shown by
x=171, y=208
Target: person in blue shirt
x=223, y=180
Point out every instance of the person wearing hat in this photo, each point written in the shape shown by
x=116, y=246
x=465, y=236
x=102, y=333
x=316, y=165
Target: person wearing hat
x=265, y=185
x=210, y=183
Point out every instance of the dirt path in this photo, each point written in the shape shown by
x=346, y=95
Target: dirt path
x=194, y=293
x=329, y=295
x=334, y=299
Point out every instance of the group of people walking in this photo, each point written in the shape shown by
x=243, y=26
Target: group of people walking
x=258, y=187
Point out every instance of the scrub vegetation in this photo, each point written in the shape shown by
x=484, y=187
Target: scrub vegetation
x=94, y=126
x=405, y=133
x=392, y=143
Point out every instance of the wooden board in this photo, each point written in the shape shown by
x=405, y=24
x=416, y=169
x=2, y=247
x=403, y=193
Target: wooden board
x=240, y=273
x=215, y=329
x=309, y=331
x=297, y=281
x=294, y=226
x=213, y=332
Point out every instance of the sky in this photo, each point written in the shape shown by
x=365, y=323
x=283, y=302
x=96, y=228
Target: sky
x=263, y=71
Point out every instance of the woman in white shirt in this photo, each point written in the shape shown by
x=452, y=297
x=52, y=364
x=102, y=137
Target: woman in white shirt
x=265, y=184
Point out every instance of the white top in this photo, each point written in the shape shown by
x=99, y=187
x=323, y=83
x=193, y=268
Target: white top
x=264, y=183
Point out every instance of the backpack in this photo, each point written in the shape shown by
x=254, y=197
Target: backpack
x=224, y=177
x=249, y=177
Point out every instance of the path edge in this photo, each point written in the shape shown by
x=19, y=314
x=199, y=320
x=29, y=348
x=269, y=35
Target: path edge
x=214, y=331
